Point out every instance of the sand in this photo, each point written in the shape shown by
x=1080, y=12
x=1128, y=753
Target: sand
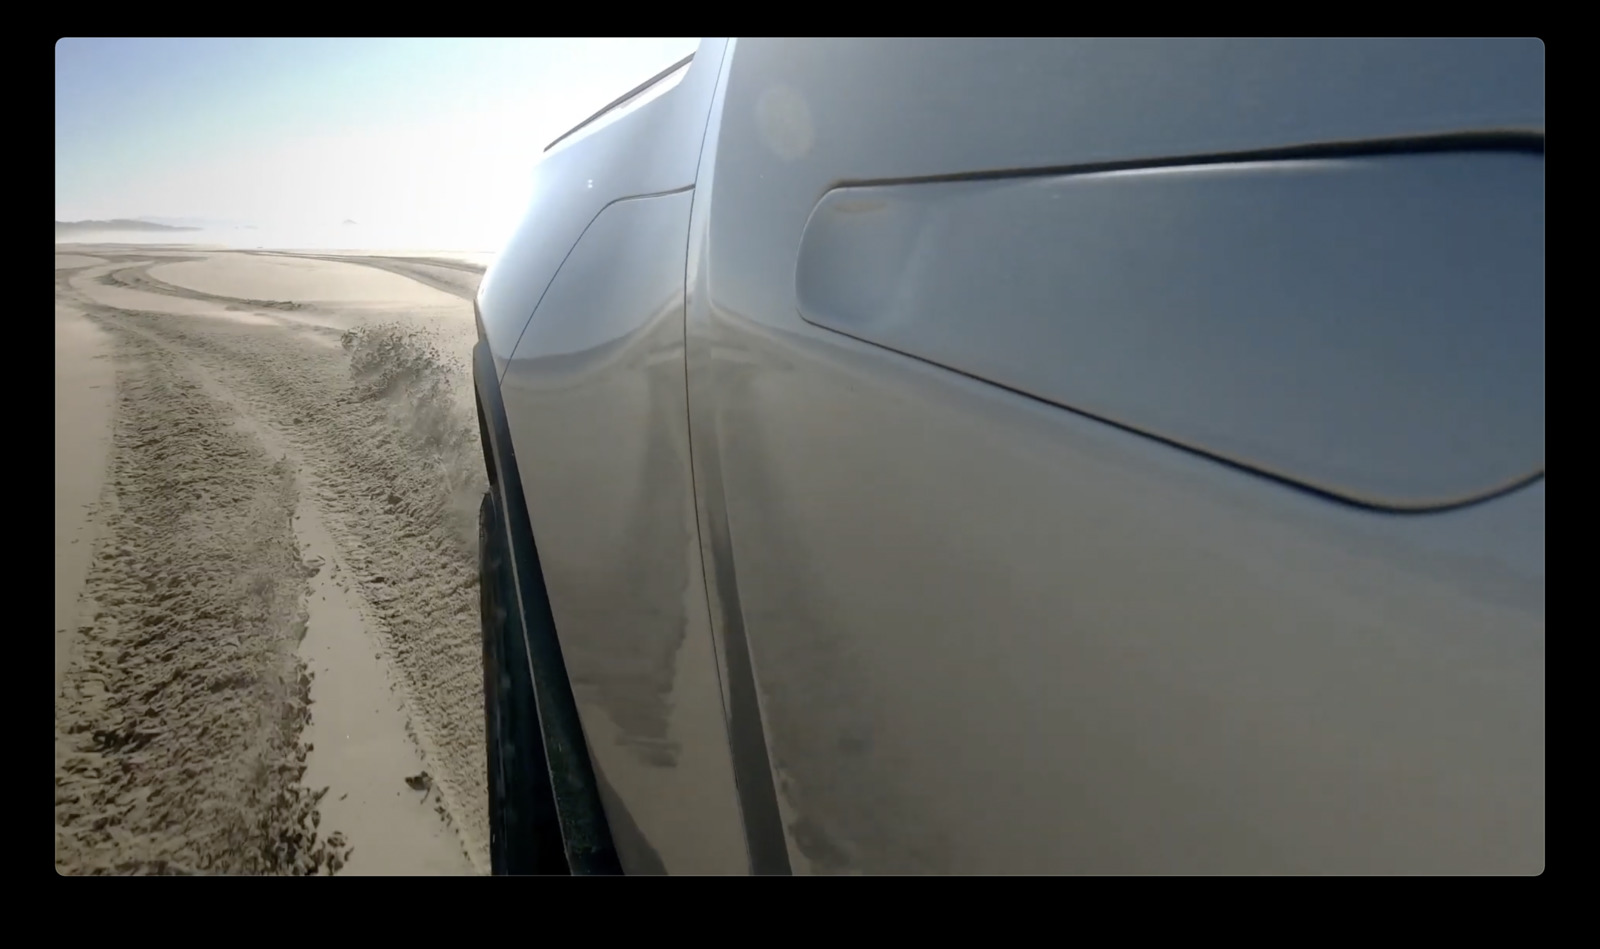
x=84, y=394
x=267, y=646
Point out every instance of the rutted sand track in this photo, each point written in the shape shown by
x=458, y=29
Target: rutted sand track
x=263, y=480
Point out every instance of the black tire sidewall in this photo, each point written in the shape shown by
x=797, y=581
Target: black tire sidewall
x=493, y=622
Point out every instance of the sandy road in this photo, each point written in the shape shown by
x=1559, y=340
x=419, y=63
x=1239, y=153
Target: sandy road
x=267, y=635
x=85, y=391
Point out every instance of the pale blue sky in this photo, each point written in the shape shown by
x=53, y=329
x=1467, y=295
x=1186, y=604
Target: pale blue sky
x=431, y=137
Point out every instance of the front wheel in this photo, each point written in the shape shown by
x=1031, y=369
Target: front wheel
x=491, y=557
x=524, y=832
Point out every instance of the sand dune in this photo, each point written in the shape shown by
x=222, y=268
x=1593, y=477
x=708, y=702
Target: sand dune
x=267, y=634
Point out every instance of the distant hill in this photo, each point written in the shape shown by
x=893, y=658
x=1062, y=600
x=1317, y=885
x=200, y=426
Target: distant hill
x=118, y=226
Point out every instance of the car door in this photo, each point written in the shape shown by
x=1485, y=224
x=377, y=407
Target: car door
x=1126, y=456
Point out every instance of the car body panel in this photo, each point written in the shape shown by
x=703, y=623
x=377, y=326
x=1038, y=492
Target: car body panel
x=1274, y=313
x=986, y=634
x=599, y=378
x=830, y=607
x=652, y=148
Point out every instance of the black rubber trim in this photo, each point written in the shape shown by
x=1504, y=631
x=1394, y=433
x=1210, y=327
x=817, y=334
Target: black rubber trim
x=1520, y=141
x=584, y=831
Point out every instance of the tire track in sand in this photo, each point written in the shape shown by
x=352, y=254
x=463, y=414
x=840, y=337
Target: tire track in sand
x=178, y=727
x=394, y=456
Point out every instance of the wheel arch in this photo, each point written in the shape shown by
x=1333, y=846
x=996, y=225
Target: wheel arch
x=576, y=791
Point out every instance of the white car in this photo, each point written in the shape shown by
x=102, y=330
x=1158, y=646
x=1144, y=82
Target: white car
x=1025, y=456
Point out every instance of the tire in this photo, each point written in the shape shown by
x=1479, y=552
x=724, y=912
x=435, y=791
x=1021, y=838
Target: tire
x=524, y=834
x=492, y=621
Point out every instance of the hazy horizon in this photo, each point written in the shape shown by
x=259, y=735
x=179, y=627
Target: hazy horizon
x=307, y=237
x=278, y=142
